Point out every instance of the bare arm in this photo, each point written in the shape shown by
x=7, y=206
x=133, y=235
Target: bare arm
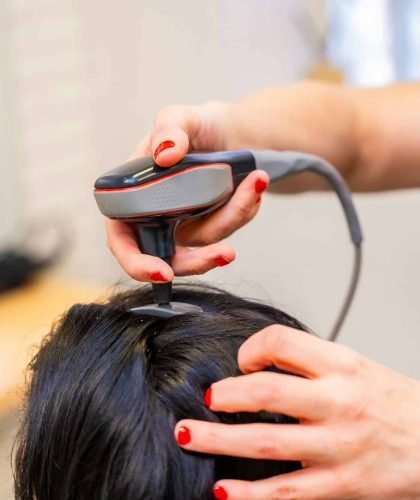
x=371, y=135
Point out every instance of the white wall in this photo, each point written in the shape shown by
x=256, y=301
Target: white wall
x=92, y=75
x=9, y=134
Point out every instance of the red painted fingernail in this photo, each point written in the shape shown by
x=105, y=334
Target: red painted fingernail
x=258, y=200
x=219, y=493
x=207, y=397
x=183, y=437
x=157, y=276
x=162, y=146
x=260, y=186
x=222, y=261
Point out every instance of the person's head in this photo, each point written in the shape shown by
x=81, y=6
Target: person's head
x=107, y=388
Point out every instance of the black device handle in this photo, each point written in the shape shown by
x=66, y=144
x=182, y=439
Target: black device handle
x=158, y=239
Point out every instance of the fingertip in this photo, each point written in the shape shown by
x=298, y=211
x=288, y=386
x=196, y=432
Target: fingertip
x=195, y=261
x=226, y=255
x=261, y=183
x=247, y=198
x=158, y=276
x=232, y=489
x=227, y=251
x=258, y=174
x=219, y=492
x=161, y=274
x=163, y=146
x=207, y=396
x=183, y=435
x=182, y=432
x=147, y=268
x=215, y=394
x=243, y=357
x=262, y=174
x=169, y=147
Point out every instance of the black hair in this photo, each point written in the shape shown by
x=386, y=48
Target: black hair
x=107, y=387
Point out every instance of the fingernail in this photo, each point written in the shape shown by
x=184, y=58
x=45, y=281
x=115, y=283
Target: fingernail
x=219, y=493
x=162, y=146
x=157, y=276
x=183, y=437
x=258, y=200
x=222, y=261
x=260, y=186
x=207, y=397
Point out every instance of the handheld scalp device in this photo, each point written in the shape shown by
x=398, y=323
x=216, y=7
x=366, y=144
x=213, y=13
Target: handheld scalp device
x=155, y=199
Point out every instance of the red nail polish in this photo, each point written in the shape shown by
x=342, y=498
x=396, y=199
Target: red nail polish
x=219, y=493
x=162, y=146
x=260, y=186
x=258, y=200
x=183, y=437
x=157, y=276
x=222, y=261
x=207, y=397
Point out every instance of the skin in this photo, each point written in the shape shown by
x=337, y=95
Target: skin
x=359, y=432
x=369, y=135
x=359, y=429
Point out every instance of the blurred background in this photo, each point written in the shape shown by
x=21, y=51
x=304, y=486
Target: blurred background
x=80, y=83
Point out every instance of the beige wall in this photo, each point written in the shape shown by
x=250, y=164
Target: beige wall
x=91, y=76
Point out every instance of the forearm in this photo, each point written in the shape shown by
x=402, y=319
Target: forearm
x=388, y=138
x=370, y=135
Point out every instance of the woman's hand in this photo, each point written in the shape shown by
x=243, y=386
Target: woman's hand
x=177, y=130
x=359, y=431
x=347, y=127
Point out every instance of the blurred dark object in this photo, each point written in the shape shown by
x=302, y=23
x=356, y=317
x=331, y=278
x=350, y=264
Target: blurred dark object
x=43, y=246
x=17, y=268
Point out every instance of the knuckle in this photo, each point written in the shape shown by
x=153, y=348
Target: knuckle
x=244, y=213
x=267, y=445
x=131, y=268
x=166, y=111
x=342, y=441
x=350, y=362
x=210, y=435
x=265, y=450
x=348, y=404
x=285, y=492
x=169, y=114
x=265, y=396
x=346, y=482
x=205, y=237
x=275, y=339
x=265, y=392
x=211, y=236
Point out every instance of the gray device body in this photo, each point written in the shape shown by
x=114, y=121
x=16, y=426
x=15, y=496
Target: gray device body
x=156, y=199
x=198, y=187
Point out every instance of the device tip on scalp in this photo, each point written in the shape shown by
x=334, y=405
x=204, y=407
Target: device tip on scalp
x=155, y=199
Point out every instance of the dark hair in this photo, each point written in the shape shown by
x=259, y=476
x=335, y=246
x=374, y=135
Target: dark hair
x=107, y=388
